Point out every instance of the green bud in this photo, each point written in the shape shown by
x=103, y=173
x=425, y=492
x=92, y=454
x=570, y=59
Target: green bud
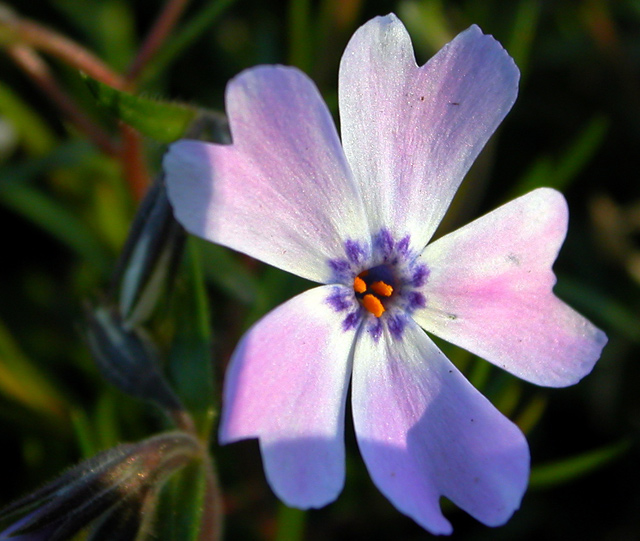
x=117, y=488
x=128, y=358
x=149, y=258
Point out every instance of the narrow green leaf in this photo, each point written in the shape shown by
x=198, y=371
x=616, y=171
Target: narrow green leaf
x=558, y=173
x=291, y=524
x=110, y=30
x=532, y=413
x=580, y=152
x=182, y=505
x=84, y=432
x=479, y=373
x=523, y=31
x=190, y=363
x=508, y=396
x=226, y=271
x=115, y=27
x=33, y=132
x=300, y=41
x=275, y=287
x=184, y=37
x=610, y=312
x=163, y=121
x=427, y=23
x=25, y=199
x=47, y=213
x=22, y=381
x=540, y=173
x=562, y=471
x=106, y=423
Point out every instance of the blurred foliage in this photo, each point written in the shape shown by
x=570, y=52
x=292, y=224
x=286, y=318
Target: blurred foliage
x=68, y=193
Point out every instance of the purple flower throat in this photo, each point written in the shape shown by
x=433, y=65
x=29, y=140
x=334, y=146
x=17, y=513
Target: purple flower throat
x=382, y=282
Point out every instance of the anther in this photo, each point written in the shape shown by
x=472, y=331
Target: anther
x=359, y=285
x=373, y=304
x=381, y=289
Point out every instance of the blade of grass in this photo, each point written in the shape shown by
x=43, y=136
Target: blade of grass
x=562, y=471
x=183, y=38
x=22, y=381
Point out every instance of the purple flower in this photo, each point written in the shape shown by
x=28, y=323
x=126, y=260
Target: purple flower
x=357, y=218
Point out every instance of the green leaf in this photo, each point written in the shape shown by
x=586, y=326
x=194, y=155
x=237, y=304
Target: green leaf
x=224, y=269
x=523, y=32
x=46, y=212
x=190, y=363
x=427, y=23
x=532, y=413
x=110, y=29
x=559, y=172
x=32, y=131
x=160, y=120
x=114, y=26
x=184, y=37
x=300, y=40
x=22, y=382
x=479, y=373
x=291, y=523
x=18, y=194
x=601, y=307
x=182, y=505
x=84, y=431
x=562, y=471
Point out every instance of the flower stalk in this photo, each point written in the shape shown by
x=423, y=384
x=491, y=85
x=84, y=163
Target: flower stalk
x=33, y=65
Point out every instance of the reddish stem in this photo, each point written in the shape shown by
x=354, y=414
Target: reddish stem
x=45, y=39
x=35, y=68
x=212, y=517
x=133, y=162
x=156, y=36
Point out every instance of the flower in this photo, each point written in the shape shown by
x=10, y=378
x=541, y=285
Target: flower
x=357, y=218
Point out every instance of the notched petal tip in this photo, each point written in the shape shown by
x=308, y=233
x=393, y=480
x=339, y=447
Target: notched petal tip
x=491, y=292
x=443, y=112
x=425, y=432
x=587, y=354
x=474, y=32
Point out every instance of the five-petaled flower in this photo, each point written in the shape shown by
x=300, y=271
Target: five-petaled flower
x=357, y=218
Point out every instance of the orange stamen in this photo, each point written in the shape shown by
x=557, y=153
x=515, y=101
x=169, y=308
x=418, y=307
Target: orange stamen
x=382, y=289
x=358, y=285
x=373, y=305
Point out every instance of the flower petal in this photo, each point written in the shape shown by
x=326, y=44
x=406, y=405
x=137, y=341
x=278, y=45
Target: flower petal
x=287, y=385
x=490, y=291
x=282, y=192
x=411, y=133
x=424, y=431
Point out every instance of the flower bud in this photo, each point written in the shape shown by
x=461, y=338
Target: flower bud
x=149, y=258
x=128, y=358
x=118, y=487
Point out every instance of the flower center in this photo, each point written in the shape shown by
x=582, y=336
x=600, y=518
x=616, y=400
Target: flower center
x=374, y=287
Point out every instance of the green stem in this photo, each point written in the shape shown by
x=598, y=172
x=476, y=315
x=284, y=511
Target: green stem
x=291, y=524
x=212, y=515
